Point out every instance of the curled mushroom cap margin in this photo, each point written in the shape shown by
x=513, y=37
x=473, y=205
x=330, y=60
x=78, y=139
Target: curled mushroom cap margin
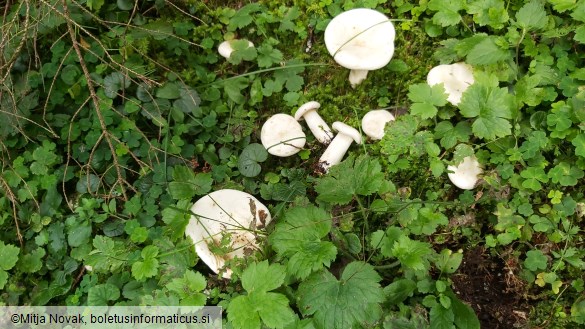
x=222, y=213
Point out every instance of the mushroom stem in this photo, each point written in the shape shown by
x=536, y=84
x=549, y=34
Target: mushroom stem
x=316, y=124
x=357, y=76
x=339, y=145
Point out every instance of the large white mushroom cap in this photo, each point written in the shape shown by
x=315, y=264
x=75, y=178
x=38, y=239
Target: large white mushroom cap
x=466, y=174
x=228, y=212
x=282, y=135
x=456, y=78
x=374, y=122
x=360, y=40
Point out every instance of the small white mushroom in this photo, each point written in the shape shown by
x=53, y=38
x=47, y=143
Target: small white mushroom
x=361, y=40
x=282, y=135
x=318, y=126
x=456, y=78
x=374, y=122
x=466, y=174
x=225, y=48
x=339, y=145
x=230, y=213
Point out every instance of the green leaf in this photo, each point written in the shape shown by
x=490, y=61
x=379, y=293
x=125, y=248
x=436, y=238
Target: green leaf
x=352, y=177
x=189, y=288
x=244, y=16
x=447, y=11
x=534, y=176
x=101, y=294
x=32, y=262
x=299, y=236
x=491, y=107
x=489, y=12
x=354, y=300
x=186, y=184
x=263, y=276
x=149, y=266
x=579, y=143
x=115, y=82
x=399, y=290
x=487, y=52
x=565, y=174
x=532, y=16
x=535, y=260
x=233, y=88
x=451, y=136
x=169, y=90
x=465, y=317
x=412, y=254
x=8, y=256
x=248, y=161
x=441, y=317
x=273, y=309
x=423, y=93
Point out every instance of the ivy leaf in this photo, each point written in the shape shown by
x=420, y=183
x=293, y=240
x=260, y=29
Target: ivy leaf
x=532, y=16
x=354, y=300
x=490, y=106
x=187, y=184
x=299, y=236
x=352, y=177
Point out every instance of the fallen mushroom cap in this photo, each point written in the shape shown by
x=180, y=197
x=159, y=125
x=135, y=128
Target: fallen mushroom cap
x=466, y=174
x=224, y=212
x=456, y=78
x=360, y=39
x=374, y=122
x=282, y=135
x=225, y=48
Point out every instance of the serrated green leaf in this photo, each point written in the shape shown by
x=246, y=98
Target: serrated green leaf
x=489, y=12
x=354, y=300
x=447, y=11
x=399, y=290
x=142, y=270
x=423, y=93
x=491, y=107
x=412, y=254
x=244, y=16
x=535, y=260
x=32, y=262
x=441, y=317
x=8, y=256
x=487, y=52
x=189, y=288
x=423, y=110
x=352, y=177
x=186, y=184
x=246, y=311
x=532, y=16
x=100, y=295
x=263, y=276
x=299, y=238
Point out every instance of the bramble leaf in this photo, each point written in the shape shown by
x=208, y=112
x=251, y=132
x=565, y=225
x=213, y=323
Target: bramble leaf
x=299, y=236
x=351, y=301
x=412, y=254
x=352, y=177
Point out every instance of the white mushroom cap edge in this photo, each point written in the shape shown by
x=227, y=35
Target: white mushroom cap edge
x=456, y=78
x=226, y=212
x=466, y=174
x=225, y=48
x=374, y=122
x=282, y=135
x=361, y=40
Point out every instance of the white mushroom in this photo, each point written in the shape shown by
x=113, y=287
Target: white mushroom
x=373, y=123
x=282, y=135
x=318, y=126
x=466, y=174
x=226, y=213
x=339, y=145
x=225, y=48
x=360, y=40
x=456, y=78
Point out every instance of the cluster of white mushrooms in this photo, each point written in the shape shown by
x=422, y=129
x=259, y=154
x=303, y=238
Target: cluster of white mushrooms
x=360, y=40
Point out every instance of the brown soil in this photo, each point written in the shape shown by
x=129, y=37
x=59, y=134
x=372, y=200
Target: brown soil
x=490, y=286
